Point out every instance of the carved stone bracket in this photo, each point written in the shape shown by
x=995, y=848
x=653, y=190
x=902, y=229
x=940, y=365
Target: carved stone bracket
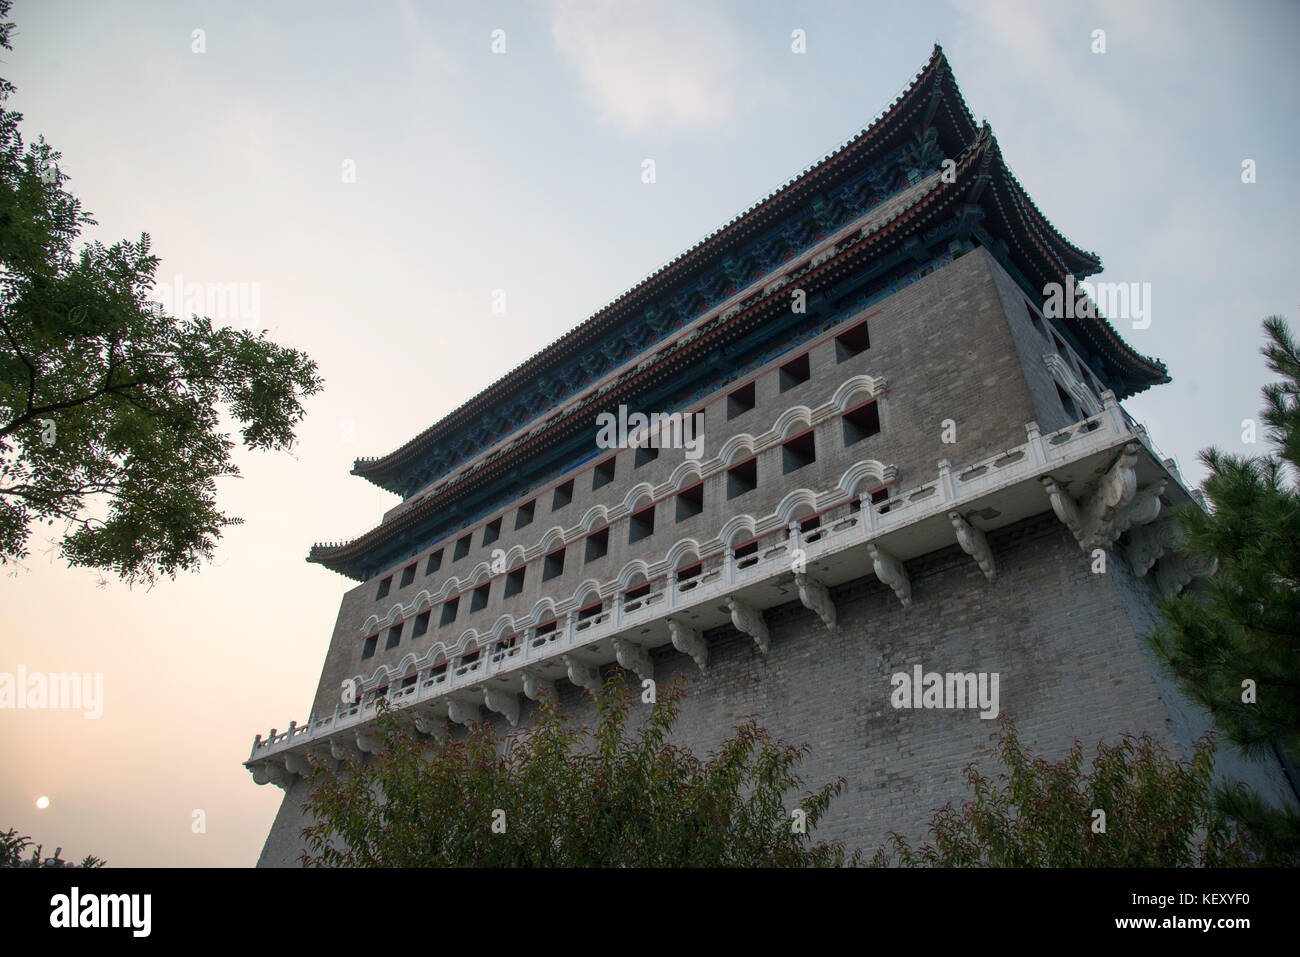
x=1114, y=493
x=891, y=571
x=368, y=740
x=277, y=775
x=749, y=619
x=1143, y=510
x=974, y=543
x=1177, y=569
x=463, y=712
x=260, y=772
x=816, y=597
x=634, y=658
x=502, y=702
x=689, y=642
x=429, y=724
x=341, y=749
x=583, y=674
x=1093, y=524
x=1148, y=543
x=297, y=764
x=535, y=686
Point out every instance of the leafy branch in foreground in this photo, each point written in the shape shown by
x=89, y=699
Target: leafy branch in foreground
x=1233, y=643
x=560, y=795
x=109, y=409
x=1156, y=812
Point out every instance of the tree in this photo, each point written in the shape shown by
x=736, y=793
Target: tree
x=109, y=409
x=1156, y=812
x=14, y=845
x=1234, y=643
x=559, y=795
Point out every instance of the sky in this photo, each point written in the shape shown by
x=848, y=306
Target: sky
x=373, y=174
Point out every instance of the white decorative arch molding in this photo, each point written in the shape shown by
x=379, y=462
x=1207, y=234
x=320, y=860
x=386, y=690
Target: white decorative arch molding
x=687, y=473
x=543, y=610
x=594, y=518
x=797, y=418
x=637, y=495
x=553, y=537
x=850, y=392
x=738, y=527
x=857, y=476
x=736, y=448
x=682, y=549
x=800, y=497
x=629, y=571
x=856, y=390
x=583, y=594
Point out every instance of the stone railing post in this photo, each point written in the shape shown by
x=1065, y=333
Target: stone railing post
x=947, y=488
x=1037, y=454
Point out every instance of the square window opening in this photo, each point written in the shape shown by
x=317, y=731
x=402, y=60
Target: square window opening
x=861, y=423
x=603, y=473
x=553, y=565
x=741, y=401
x=515, y=582
x=795, y=372
x=798, y=452
x=597, y=545
x=641, y=525
x=479, y=599
x=449, y=610
x=690, y=501
x=563, y=496
x=742, y=478
x=851, y=342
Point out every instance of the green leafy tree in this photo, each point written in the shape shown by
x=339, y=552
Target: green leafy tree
x=1233, y=643
x=1158, y=813
x=14, y=845
x=109, y=409
x=560, y=795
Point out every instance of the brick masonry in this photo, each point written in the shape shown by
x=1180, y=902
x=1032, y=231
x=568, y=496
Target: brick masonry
x=1062, y=639
x=957, y=345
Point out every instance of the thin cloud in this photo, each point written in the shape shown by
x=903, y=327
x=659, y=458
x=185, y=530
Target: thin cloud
x=643, y=66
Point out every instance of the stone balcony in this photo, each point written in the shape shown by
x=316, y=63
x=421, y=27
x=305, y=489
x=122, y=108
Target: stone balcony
x=1102, y=476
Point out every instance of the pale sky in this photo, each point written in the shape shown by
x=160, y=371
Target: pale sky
x=521, y=171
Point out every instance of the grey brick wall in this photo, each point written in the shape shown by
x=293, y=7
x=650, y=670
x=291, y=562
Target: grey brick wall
x=957, y=345
x=946, y=346
x=1061, y=638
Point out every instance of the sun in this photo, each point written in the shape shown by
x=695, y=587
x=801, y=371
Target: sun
x=42, y=802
